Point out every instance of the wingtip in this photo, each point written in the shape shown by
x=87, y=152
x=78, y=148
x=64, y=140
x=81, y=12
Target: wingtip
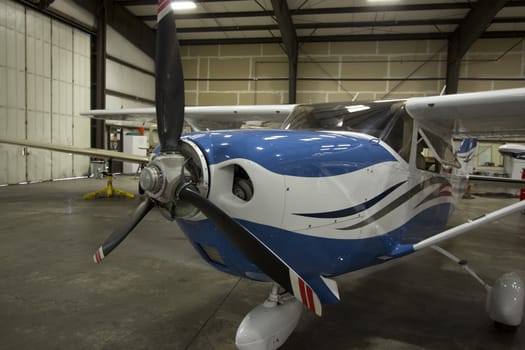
x=98, y=256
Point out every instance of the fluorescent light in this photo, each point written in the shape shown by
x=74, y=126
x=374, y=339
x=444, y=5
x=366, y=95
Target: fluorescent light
x=182, y=5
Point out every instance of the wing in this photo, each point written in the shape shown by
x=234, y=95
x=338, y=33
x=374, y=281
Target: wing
x=498, y=112
x=207, y=117
x=507, y=182
x=95, y=152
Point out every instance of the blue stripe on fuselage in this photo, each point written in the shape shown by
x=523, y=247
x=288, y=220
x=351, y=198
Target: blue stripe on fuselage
x=293, y=152
x=309, y=255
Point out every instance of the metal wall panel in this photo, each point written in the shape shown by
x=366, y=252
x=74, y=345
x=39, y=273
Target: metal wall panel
x=12, y=90
x=118, y=46
x=81, y=99
x=38, y=45
x=124, y=78
x=44, y=85
x=129, y=81
x=62, y=97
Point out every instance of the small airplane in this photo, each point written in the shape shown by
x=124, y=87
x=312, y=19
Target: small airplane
x=337, y=188
x=466, y=154
x=513, y=159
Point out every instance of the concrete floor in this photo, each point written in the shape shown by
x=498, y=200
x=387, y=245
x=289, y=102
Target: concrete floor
x=154, y=292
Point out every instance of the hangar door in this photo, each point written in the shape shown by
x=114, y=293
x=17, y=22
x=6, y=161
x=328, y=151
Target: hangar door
x=44, y=85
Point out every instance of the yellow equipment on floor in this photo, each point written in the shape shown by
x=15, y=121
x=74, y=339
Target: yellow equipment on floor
x=109, y=190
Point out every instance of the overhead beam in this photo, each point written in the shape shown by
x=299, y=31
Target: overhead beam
x=155, y=2
x=330, y=10
x=340, y=38
x=126, y=24
x=44, y=4
x=289, y=38
x=472, y=27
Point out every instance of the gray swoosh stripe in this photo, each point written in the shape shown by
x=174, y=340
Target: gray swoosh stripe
x=397, y=202
x=432, y=196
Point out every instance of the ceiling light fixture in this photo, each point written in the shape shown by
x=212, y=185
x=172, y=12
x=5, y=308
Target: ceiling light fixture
x=182, y=5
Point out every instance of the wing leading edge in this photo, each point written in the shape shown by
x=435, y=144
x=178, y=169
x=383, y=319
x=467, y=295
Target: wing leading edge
x=94, y=152
x=206, y=117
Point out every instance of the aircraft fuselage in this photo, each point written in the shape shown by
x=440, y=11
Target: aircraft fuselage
x=326, y=202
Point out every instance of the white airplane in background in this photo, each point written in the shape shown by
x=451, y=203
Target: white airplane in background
x=337, y=188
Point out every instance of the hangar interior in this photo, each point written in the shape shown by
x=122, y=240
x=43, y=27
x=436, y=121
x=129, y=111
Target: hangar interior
x=232, y=54
x=61, y=58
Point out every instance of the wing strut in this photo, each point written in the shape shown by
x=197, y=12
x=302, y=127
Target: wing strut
x=404, y=249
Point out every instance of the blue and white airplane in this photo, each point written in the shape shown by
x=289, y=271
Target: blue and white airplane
x=467, y=154
x=337, y=188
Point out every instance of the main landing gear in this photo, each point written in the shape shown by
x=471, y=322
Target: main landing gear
x=505, y=299
x=268, y=325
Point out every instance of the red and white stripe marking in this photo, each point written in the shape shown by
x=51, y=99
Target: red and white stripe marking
x=98, y=256
x=164, y=8
x=304, y=293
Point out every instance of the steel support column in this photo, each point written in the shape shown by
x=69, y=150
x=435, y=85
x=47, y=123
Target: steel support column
x=289, y=38
x=98, y=75
x=470, y=29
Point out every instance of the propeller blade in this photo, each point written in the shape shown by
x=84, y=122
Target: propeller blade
x=169, y=79
x=255, y=250
x=120, y=234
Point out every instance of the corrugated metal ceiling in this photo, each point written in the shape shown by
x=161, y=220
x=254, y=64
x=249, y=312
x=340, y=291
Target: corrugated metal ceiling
x=253, y=21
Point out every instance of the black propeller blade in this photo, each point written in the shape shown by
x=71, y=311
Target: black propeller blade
x=169, y=95
x=118, y=235
x=159, y=179
x=169, y=80
x=255, y=250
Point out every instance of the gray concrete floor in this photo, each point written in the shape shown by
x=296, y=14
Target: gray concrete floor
x=154, y=292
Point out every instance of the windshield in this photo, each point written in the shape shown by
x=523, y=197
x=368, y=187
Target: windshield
x=387, y=121
x=371, y=118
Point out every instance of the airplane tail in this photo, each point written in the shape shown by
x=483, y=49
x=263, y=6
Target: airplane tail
x=467, y=154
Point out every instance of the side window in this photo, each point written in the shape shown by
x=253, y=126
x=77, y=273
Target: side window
x=425, y=158
x=399, y=137
x=439, y=154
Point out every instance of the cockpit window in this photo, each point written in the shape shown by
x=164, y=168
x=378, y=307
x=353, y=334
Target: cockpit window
x=371, y=118
x=443, y=149
x=384, y=120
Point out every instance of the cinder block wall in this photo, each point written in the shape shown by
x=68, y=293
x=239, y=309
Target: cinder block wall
x=258, y=73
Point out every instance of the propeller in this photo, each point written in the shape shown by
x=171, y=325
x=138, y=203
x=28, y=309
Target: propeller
x=122, y=232
x=169, y=80
x=169, y=97
x=164, y=179
x=254, y=249
x=240, y=237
